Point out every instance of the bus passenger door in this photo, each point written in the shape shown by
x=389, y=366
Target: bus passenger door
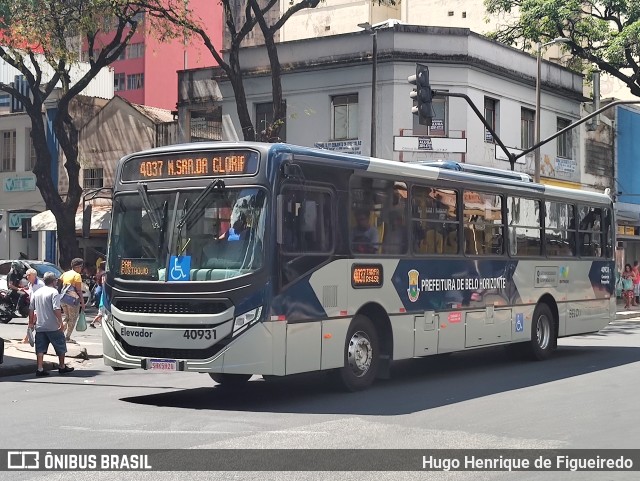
x=426, y=334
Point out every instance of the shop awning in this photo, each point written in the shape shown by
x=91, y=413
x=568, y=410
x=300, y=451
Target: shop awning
x=100, y=220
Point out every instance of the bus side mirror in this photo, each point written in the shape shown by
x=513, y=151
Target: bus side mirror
x=86, y=221
x=279, y=219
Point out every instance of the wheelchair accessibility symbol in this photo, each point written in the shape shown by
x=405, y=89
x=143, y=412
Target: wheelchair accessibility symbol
x=519, y=322
x=179, y=268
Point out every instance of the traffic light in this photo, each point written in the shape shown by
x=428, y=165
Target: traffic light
x=422, y=94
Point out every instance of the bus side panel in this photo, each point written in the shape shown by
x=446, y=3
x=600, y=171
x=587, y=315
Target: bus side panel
x=426, y=328
x=252, y=352
x=587, y=316
x=303, y=347
x=488, y=327
x=334, y=334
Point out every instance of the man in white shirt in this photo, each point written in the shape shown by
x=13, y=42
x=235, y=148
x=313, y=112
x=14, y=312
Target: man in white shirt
x=35, y=283
x=48, y=324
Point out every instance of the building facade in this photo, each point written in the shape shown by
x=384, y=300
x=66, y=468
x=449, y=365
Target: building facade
x=20, y=199
x=146, y=72
x=329, y=99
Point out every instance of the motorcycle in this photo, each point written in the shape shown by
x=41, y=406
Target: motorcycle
x=8, y=307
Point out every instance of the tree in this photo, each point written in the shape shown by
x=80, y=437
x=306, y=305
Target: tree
x=604, y=33
x=40, y=39
x=256, y=13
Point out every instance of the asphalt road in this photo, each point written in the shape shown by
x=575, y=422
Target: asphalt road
x=585, y=397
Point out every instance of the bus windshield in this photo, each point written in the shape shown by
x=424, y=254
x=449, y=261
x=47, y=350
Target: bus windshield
x=222, y=238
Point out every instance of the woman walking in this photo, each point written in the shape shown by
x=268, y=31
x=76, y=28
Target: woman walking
x=627, y=286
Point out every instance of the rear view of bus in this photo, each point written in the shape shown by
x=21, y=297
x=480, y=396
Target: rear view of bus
x=186, y=269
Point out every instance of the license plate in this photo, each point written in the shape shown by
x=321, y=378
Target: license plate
x=163, y=365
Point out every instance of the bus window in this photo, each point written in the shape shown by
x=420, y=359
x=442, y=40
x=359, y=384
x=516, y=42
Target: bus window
x=307, y=221
x=560, y=229
x=483, y=226
x=378, y=216
x=608, y=231
x=524, y=227
x=590, y=231
x=434, y=214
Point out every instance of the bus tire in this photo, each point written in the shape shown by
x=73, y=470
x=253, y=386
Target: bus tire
x=543, y=335
x=230, y=380
x=361, y=355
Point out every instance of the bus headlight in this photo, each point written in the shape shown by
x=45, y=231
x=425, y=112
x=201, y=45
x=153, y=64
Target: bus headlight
x=243, y=321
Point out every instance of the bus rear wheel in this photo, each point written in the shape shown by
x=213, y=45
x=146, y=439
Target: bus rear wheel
x=230, y=380
x=361, y=353
x=543, y=333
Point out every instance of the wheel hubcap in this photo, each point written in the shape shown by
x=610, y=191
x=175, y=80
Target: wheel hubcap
x=543, y=331
x=359, y=353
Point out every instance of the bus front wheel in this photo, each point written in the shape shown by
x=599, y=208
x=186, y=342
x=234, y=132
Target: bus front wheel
x=230, y=380
x=361, y=353
x=543, y=333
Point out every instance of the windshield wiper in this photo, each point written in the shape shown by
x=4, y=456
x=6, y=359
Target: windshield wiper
x=142, y=191
x=165, y=211
x=188, y=214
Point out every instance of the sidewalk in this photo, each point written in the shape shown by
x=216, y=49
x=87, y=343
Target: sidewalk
x=20, y=358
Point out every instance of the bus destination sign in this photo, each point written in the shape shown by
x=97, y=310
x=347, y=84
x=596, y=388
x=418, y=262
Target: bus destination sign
x=191, y=165
x=366, y=275
x=138, y=268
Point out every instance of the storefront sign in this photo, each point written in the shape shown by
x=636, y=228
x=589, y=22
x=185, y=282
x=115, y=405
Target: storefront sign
x=19, y=184
x=346, y=146
x=565, y=166
x=15, y=219
x=429, y=144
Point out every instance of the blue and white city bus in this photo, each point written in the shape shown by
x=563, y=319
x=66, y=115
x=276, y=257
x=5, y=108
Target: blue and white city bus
x=237, y=259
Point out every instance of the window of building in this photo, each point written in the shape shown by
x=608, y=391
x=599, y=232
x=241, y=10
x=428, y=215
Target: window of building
x=8, y=163
x=264, y=119
x=135, y=81
x=564, y=141
x=491, y=116
x=439, y=124
x=434, y=220
x=527, y=128
x=559, y=229
x=92, y=178
x=31, y=161
x=590, y=231
x=118, y=82
x=378, y=216
x=5, y=101
x=206, y=125
x=344, y=118
x=483, y=225
x=524, y=227
x=135, y=50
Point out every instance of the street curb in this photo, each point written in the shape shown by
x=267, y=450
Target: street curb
x=25, y=368
x=25, y=361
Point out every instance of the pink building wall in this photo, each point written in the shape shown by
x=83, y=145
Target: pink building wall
x=162, y=60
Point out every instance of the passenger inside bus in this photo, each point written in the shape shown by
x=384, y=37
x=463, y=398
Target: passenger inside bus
x=395, y=237
x=365, y=237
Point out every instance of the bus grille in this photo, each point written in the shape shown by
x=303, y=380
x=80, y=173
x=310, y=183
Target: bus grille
x=171, y=306
x=168, y=353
